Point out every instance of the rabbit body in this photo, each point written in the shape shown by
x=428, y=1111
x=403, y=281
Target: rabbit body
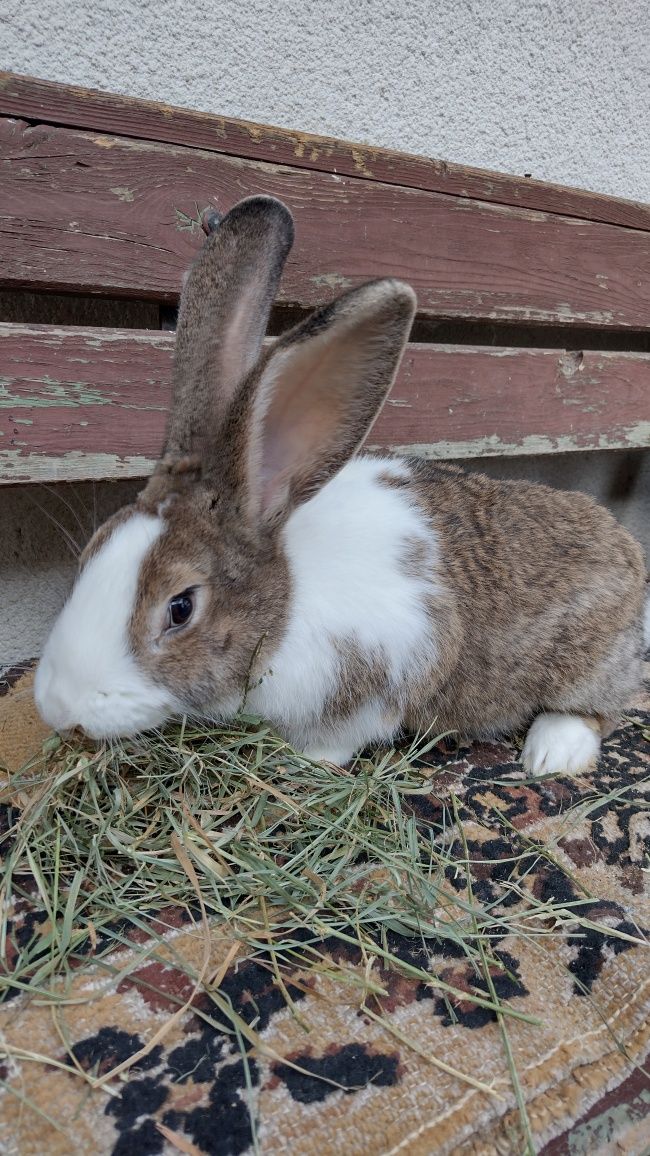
x=345, y=597
x=425, y=596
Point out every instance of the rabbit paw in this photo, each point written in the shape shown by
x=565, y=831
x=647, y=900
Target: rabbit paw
x=560, y=744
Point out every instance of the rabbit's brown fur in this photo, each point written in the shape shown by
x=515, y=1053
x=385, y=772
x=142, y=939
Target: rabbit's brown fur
x=547, y=602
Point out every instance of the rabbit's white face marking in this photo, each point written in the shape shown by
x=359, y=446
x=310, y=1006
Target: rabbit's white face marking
x=87, y=676
x=346, y=549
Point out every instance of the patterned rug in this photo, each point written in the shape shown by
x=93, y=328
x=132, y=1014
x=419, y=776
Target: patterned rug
x=330, y=1080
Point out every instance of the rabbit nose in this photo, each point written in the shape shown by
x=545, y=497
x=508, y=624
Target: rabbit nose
x=55, y=713
x=51, y=704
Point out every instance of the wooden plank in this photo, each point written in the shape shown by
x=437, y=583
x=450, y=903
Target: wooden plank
x=91, y=403
x=101, y=214
x=81, y=403
x=24, y=96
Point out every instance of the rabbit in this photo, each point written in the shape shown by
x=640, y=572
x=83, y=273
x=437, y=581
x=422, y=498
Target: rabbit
x=345, y=597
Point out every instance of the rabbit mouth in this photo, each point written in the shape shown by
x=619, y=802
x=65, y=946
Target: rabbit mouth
x=120, y=717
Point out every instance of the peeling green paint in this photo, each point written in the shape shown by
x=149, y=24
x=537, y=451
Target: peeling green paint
x=628, y=437
x=16, y=466
x=332, y=281
x=124, y=194
x=73, y=394
x=156, y=341
x=187, y=221
x=69, y=395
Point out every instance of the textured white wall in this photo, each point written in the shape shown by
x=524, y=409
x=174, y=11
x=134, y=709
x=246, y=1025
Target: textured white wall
x=556, y=88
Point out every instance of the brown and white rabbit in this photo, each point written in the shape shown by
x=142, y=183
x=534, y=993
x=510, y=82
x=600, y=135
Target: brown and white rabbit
x=346, y=598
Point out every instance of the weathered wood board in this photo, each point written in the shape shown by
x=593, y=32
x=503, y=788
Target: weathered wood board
x=101, y=196
x=91, y=403
x=99, y=214
x=58, y=104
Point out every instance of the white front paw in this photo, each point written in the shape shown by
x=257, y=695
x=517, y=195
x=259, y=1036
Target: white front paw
x=559, y=744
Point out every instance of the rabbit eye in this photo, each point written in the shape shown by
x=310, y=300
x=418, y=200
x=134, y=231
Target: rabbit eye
x=180, y=609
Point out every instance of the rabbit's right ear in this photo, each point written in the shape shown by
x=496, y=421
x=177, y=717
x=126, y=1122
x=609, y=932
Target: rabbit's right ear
x=223, y=315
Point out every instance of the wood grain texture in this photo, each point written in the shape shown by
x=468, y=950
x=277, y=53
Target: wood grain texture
x=101, y=214
x=22, y=96
x=91, y=403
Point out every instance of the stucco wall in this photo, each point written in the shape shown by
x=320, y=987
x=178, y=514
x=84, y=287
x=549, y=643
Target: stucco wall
x=556, y=88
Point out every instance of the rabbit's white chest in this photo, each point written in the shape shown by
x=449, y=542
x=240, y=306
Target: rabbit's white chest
x=348, y=550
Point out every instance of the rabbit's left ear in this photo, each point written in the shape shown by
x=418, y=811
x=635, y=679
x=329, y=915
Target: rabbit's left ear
x=224, y=311
x=315, y=397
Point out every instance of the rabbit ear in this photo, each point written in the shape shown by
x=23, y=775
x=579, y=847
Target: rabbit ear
x=224, y=312
x=314, y=399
